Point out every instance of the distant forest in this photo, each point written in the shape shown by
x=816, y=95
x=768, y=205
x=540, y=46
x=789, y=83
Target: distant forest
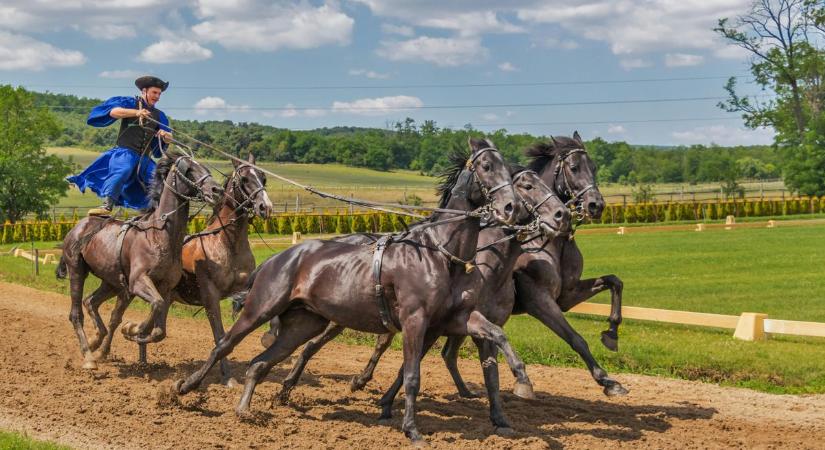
x=424, y=147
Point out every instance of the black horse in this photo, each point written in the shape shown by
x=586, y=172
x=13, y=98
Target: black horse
x=424, y=288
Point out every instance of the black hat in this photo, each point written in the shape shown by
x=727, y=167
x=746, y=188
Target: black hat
x=151, y=81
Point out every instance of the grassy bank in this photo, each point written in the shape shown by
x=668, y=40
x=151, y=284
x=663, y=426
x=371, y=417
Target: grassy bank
x=16, y=441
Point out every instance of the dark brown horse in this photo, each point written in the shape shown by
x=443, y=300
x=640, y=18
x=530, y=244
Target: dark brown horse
x=425, y=288
x=140, y=257
x=543, y=274
x=217, y=261
x=496, y=260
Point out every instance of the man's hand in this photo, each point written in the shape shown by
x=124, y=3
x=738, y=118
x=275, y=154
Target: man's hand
x=165, y=135
x=142, y=113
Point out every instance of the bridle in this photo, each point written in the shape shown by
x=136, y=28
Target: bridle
x=180, y=174
x=562, y=185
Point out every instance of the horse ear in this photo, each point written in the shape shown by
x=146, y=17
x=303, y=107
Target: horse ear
x=577, y=137
x=489, y=142
x=251, y=158
x=476, y=144
x=235, y=163
x=554, y=141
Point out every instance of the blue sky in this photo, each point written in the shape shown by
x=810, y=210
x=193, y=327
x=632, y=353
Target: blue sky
x=604, y=68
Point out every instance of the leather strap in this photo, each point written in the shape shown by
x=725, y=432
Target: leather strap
x=380, y=298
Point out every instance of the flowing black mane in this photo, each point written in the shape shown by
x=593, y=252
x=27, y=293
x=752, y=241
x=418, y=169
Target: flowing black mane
x=449, y=177
x=162, y=169
x=542, y=153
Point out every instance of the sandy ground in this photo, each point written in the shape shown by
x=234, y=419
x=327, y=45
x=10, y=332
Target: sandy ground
x=44, y=393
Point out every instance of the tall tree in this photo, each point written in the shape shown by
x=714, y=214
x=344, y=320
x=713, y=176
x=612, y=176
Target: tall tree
x=784, y=39
x=32, y=181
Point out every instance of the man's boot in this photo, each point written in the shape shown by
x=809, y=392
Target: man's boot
x=105, y=209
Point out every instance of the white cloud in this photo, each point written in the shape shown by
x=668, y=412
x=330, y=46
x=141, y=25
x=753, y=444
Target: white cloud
x=634, y=63
x=682, y=60
x=117, y=74
x=638, y=27
x=369, y=74
x=111, y=32
x=724, y=135
x=256, y=25
x=616, y=129
x=401, y=30
x=19, y=52
x=555, y=43
x=507, y=67
x=179, y=51
x=217, y=105
x=291, y=111
x=377, y=106
x=490, y=117
x=445, y=52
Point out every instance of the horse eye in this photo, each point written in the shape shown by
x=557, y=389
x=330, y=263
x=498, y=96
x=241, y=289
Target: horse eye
x=528, y=187
x=486, y=166
x=574, y=169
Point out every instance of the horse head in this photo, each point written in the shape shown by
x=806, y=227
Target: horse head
x=195, y=180
x=565, y=165
x=550, y=213
x=493, y=184
x=247, y=188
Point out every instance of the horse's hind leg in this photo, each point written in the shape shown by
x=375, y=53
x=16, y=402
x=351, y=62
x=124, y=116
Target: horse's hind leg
x=297, y=327
x=77, y=280
x=392, y=392
x=307, y=353
x=585, y=289
x=450, y=355
x=91, y=304
x=210, y=298
x=381, y=345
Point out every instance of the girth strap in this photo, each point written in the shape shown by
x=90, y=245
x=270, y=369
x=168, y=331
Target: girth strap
x=380, y=299
x=121, y=235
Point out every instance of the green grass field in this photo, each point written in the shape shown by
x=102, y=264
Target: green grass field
x=17, y=441
x=775, y=271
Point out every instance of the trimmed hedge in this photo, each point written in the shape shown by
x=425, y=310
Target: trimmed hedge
x=338, y=222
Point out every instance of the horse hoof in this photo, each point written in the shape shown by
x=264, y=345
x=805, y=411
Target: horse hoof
x=129, y=329
x=94, y=343
x=505, y=431
x=468, y=394
x=177, y=387
x=99, y=356
x=267, y=340
x=615, y=390
x=416, y=439
x=610, y=340
x=89, y=364
x=356, y=384
x=231, y=383
x=524, y=390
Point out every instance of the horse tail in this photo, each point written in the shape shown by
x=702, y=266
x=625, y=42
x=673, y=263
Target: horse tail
x=62, y=269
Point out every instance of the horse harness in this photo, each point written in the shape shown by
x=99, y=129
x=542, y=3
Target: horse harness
x=384, y=241
x=134, y=221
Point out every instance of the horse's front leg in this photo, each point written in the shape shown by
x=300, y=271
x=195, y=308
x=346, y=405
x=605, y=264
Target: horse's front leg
x=211, y=301
x=124, y=298
x=585, y=289
x=488, y=355
x=479, y=327
x=538, y=304
x=91, y=304
x=415, y=330
x=144, y=288
x=450, y=355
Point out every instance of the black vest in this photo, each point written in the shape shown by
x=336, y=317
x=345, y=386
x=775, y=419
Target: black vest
x=136, y=137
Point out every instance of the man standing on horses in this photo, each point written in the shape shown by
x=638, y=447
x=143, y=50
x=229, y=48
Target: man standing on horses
x=122, y=174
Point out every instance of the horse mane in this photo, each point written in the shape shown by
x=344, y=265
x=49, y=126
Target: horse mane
x=162, y=169
x=218, y=205
x=544, y=152
x=516, y=168
x=449, y=177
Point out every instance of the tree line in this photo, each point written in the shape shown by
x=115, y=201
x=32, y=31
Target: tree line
x=424, y=147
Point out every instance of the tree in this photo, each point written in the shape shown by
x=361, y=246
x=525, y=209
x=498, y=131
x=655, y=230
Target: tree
x=32, y=180
x=784, y=38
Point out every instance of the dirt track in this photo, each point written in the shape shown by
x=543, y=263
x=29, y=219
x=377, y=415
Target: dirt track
x=44, y=393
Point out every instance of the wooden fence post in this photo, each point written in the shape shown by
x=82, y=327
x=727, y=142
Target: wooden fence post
x=751, y=327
